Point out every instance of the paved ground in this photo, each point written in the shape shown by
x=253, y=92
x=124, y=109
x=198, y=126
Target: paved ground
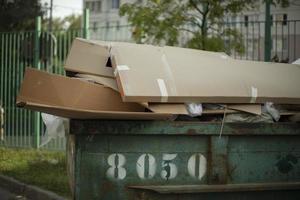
x=6, y=195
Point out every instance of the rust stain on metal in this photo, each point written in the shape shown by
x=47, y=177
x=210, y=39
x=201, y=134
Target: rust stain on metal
x=141, y=196
x=230, y=170
x=107, y=187
x=209, y=161
x=191, y=131
x=225, y=164
x=286, y=164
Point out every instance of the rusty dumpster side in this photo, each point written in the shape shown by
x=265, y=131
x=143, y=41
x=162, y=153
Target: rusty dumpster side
x=155, y=160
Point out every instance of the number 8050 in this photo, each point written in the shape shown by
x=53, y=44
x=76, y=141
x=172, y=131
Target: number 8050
x=146, y=166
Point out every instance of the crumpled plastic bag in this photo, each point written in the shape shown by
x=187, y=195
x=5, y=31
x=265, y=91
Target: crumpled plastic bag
x=296, y=62
x=55, y=127
x=270, y=109
x=249, y=118
x=194, y=109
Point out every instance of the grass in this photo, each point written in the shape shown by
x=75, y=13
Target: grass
x=45, y=169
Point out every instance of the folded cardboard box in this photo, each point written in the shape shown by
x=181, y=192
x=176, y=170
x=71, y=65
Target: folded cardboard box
x=106, y=78
x=147, y=73
x=74, y=98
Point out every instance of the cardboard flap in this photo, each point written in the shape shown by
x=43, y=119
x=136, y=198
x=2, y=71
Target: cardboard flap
x=89, y=57
x=59, y=91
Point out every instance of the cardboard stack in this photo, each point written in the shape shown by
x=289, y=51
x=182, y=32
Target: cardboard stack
x=113, y=80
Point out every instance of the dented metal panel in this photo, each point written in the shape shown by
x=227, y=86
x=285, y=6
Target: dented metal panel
x=166, y=160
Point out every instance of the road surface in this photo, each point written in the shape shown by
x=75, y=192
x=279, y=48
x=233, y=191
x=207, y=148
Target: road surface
x=6, y=195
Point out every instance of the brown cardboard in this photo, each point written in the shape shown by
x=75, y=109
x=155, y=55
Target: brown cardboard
x=69, y=97
x=90, y=57
x=175, y=108
x=179, y=108
x=109, y=82
x=199, y=76
x=249, y=108
x=93, y=114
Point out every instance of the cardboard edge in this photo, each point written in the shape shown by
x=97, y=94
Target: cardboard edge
x=102, y=80
x=83, y=72
x=97, y=114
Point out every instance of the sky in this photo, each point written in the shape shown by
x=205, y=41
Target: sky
x=62, y=8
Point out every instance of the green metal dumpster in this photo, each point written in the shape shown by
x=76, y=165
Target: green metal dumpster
x=154, y=160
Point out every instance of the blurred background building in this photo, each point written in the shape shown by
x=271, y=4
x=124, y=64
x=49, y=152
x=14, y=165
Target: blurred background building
x=285, y=31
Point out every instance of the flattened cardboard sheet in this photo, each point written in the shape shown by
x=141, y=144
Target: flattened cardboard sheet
x=73, y=98
x=92, y=114
x=147, y=73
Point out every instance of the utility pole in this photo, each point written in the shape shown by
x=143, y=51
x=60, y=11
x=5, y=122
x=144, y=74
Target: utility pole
x=268, y=40
x=51, y=11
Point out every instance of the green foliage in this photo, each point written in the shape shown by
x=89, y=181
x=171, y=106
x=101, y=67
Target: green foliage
x=74, y=22
x=164, y=21
x=154, y=22
x=41, y=168
x=18, y=15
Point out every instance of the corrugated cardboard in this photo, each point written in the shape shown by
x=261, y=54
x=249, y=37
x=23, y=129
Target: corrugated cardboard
x=73, y=98
x=90, y=57
x=171, y=74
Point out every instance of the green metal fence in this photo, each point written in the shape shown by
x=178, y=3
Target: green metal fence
x=16, y=54
x=48, y=50
x=18, y=50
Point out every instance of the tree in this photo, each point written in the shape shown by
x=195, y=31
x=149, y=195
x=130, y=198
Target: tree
x=157, y=21
x=71, y=22
x=18, y=15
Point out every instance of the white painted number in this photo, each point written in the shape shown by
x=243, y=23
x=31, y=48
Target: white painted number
x=116, y=163
x=197, y=166
x=169, y=169
x=146, y=166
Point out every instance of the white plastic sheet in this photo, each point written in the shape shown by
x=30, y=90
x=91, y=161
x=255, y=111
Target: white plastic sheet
x=194, y=109
x=270, y=109
x=55, y=127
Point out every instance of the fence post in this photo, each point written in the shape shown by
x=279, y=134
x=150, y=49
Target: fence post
x=86, y=15
x=37, y=64
x=1, y=122
x=268, y=40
